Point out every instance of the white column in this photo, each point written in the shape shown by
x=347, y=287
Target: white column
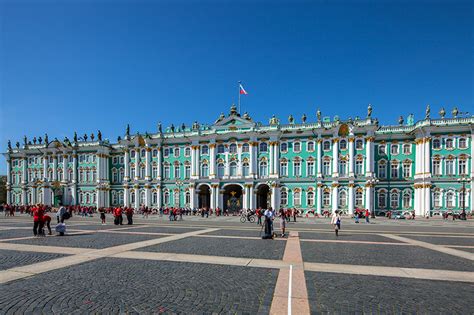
x=33, y=195
x=369, y=199
x=319, y=195
x=227, y=163
x=196, y=163
x=251, y=197
x=65, y=170
x=24, y=176
x=192, y=194
x=100, y=170
x=24, y=198
x=193, y=161
x=127, y=168
x=55, y=167
x=45, y=166
x=148, y=168
x=351, y=156
x=160, y=160
x=271, y=159
x=239, y=157
x=147, y=196
x=220, y=198
x=276, y=152
x=253, y=159
x=137, y=198
x=335, y=157
x=9, y=179
x=369, y=161
x=334, y=196
x=74, y=168
x=212, y=161
x=472, y=171
x=245, y=195
x=319, y=158
x=158, y=192
x=213, y=191
x=137, y=165
x=351, y=199
x=275, y=197
x=126, y=197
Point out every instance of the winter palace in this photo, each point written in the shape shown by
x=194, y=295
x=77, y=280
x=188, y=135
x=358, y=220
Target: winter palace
x=237, y=163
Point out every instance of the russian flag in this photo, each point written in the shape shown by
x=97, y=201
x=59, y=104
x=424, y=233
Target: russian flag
x=242, y=90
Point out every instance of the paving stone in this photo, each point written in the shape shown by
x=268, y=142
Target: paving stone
x=166, y=229
x=99, y=226
x=10, y=259
x=92, y=240
x=470, y=250
x=331, y=293
x=439, y=240
x=142, y=287
x=347, y=236
x=265, y=249
x=5, y=234
x=255, y=232
x=382, y=255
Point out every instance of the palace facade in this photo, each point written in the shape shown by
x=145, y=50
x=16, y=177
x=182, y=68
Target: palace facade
x=238, y=163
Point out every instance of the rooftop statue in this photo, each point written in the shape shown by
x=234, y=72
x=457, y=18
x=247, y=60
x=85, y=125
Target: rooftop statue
x=99, y=135
x=25, y=140
x=92, y=136
x=160, y=128
x=183, y=126
x=233, y=110
x=85, y=137
x=40, y=140
x=172, y=128
x=34, y=140
x=66, y=141
x=442, y=113
x=410, y=120
x=274, y=121
x=291, y=119
x=9, y=144
x=221, y=117
x=369, y=111
x=127, y=130
x=455, y=112
x=119, y=139
x=427, y=112
x=46, y=139
x=400, y=120
x=195, y=125
x=17, y=145
x=303, y=118
x=246, y=116
x=75, y=136
x=318, y=115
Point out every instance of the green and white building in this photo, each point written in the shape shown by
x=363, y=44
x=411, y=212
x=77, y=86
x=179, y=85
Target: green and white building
x=239, y=163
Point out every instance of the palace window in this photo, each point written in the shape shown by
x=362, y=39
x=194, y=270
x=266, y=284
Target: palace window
x=132, y=155
x=406, y=199
x=205, y=149
x=122, y=160
x=326, y=168
x=297, y=198
x=450, y=167
x=437, y=199
x=359, y=165
x=310, y=168
x=205, y=170
x=437, y=167
x=220, y=170
x=155, y=153
x=450, y=200
x=177, y=171
x=326, y=199
x=187, y=171
x=342, y=199
x=245, y=148
x=382, y=200
x=342, y=168
x=263, y=170
x=166, y=197
x=114, y=160
x=382, y=170
x=406, y=170
x=132, y=171
x=462, y=167
x=142, y=171
x=394, y=170
x=327, y=145
x=114, y=176
x=94, y=176
x=166, y=172
x=310, y=199
x=263, y=147
x=114, y=198
x=187, y=151
x=88, y=177
x=132, y=197
x=310, y=146
x=245, y=169
x=284, y=147
x=382, y=149
x=233, y=169
x=297, y=147
x=176, y=198
x=297, y=168
x=142, y=198
x=142, y=153
x=284, y=197
x=462, y=143
x=407, y=148
x=220, y=148
x=187, y=197
x=233, y=148
x=154, y=171
x=359, y=144
x=176, y=152
x=166, y=152
x=61, y=159
x=436, y=144
x=394, y=196
x=394, y=149
x=154, y=198
x=343, y=145
x=449, y=143
x=359, y=198
x=121, y=175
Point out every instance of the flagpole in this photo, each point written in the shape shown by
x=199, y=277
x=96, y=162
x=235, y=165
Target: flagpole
x=238, y=88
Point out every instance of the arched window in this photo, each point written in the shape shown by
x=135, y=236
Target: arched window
x=462, y=143
x=359, y=144
x=462, y=167
x=187, y=171
x=132, y=197
x=382, y=169
x=359, y=167
x=450, y=167
x=204, y=170
x=449, y=143
x=120, y=196
x=310, y=145
x=114, y=176
x=205, y=150
x=382, y=199
x=297, y=198
x=142, y=198
x=121, y=175
x=283, y=197
x=394, y=149
x=327, y=145
x=342, y=199
x=263, y=147
x=155, y=152
x=176, y=198
x=382, y=149
x=142, y=153
x=359, y=198
x=343, y=145
x=406, y=199
x=166, y=197
x=233, y=148
x=245, y=169
x=437, y=199
x=114, y=198
x=245, y=147
x=450, y=200
x=154, y=171
x=326, y=167
x=176, y=152
x=297, y=146
x=220, y=170
x=233, y=168
x=310, y=199
x=283, y=147
x=154, y=197
x=394, y=200
x=297, y=168
x=187, y=151
x=407, y=148
x=394, y=170
x=132, y=154
x=188, y=198
x=436, y=144
x=263, y=170
x=284, y=168
x=220, y=148
x=342, y=168
x=142, y=171
x=166, y=171
x=326, y=199
x=177, y=171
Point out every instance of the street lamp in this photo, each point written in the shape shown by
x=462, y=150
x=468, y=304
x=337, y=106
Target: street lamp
x=372, y=182
x=179, y=183
x=463, y=180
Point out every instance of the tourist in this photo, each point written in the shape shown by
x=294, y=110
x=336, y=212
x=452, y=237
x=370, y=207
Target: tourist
x=38, y=213
x=336, y=222
x=259, y=216
x=47, y=222
x=367, y=215
x=294, y=213
x=129, y=214
x=282, y=216
x=118, y=216
x=356, y=215
x=61, y=214
x=102, y=215
x=269, y=215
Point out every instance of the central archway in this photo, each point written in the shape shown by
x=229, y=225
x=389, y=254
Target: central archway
x=204, y=196
x=233, y=198
x=263, y=196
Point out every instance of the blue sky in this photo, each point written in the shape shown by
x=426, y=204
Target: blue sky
x=88, y=65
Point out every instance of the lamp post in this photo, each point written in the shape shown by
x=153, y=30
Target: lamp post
x=463, y=180
x=179, y=183
x=372, y=182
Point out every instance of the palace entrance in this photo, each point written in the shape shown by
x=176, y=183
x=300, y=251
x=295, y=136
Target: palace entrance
x=204, y=196
x=263, y=196
x=233, y=198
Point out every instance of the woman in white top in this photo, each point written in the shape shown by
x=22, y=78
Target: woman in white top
x=336, y=222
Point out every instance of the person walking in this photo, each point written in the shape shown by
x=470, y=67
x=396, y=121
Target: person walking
x=367, y=215
x=37, y=217
x=282, y=216
x=129, y=214
x=102, y=215
x=336, y=222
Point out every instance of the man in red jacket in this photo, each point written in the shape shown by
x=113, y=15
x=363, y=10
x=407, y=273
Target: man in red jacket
x=37, y=220
x=47, y=222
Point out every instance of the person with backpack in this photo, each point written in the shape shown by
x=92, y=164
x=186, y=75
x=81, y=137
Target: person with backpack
x=336, y=222
x=129, y=214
